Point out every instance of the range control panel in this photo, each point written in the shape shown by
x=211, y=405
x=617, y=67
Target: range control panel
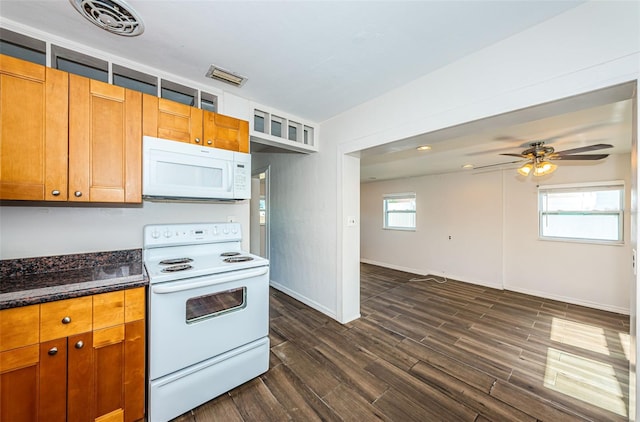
x=162, y=235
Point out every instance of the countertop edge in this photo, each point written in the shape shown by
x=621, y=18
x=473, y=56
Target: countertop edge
x=69, y=291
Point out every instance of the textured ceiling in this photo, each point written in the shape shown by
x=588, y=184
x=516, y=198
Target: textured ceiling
x=313, y=59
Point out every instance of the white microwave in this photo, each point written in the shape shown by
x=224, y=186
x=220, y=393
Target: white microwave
x=174, y=170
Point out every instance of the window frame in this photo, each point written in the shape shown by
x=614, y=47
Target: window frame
x=386, y=212
x=583, y=187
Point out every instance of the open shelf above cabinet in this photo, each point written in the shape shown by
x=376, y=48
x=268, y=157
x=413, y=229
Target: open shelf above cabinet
x=273, y=131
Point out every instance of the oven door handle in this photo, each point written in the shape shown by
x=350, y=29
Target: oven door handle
x=210, y=281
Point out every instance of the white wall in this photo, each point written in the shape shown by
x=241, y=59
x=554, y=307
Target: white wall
x=465, y=206
x=492, y=220
x=302, y=227
x=31, y=231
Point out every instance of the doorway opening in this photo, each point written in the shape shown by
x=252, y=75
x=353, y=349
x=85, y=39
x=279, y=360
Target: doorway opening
x=259, y=213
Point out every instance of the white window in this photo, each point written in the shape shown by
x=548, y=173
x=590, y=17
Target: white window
x=582, y=212
x=400, y=211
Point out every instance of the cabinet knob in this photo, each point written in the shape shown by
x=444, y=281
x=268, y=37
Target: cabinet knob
x=197, y=140
x=77, y=194
x=53, y=351
x=66, y=320
x=209, y=142
x=55, y=192
x=79, y=344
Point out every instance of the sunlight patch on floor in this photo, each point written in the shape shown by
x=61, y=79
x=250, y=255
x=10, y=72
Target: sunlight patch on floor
x=584, y=379
x=580, y=335
x=625, y=342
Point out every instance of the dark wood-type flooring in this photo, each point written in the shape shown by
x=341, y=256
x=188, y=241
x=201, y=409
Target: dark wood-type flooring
x=425, y=351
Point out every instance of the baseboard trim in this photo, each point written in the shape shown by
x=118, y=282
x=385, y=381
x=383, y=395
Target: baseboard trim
x=573, y=301
x=393, y=267
x=309, y=302
x=423, y=273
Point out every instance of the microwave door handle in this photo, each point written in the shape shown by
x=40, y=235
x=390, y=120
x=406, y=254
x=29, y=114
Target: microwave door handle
x=210, y=281
x=230, y=174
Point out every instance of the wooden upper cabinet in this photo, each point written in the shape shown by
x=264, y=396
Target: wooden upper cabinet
x=168, y=119
x=226, y=132
x=33, y=131
x=105, y=142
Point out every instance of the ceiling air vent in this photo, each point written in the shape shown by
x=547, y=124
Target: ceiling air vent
x=220, y=74
x=115, y=16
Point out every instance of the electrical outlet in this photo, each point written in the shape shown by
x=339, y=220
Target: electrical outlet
x=232, y=219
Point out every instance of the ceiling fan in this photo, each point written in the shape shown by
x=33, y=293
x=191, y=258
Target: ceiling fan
x=538, y=157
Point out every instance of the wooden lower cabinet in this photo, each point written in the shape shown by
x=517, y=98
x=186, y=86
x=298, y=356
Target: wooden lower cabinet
x=97, y=375
x=118, y=368
x=19, y=384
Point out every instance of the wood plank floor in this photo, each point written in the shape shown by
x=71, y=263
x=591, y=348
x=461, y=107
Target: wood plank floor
x=425, y=351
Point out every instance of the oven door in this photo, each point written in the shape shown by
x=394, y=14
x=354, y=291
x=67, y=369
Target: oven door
x=199, y=318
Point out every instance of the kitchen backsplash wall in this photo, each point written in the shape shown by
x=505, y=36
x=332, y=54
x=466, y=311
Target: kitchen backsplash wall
x=31, y=231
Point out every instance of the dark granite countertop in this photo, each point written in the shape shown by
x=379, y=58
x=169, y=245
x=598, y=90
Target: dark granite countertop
x=28, y=281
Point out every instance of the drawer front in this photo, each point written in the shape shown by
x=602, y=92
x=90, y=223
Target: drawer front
x=108, y=309
x=65, y=318
x=135, y=301
x=19, y=327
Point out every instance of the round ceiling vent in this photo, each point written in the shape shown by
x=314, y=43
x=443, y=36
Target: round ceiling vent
x=111, y=15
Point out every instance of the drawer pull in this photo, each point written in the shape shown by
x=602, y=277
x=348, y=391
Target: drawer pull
x=53, y=351
x=66, y=320
x=79, y=344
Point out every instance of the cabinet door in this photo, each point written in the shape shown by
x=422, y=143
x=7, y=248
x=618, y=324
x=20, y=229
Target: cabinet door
x=19, y=369
x=134, y=373
x=80, y=378
x=109, y=370
x=226, y=132
x=53, y=380
x=33, y=131
x=171, y=120
x=105, y=142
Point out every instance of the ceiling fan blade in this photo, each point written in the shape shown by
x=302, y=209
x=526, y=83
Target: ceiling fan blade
x=590, y=157
x=498, y=164
x=594, y=147
x=515, y=155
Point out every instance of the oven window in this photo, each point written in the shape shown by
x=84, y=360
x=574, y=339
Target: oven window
x=208, y=306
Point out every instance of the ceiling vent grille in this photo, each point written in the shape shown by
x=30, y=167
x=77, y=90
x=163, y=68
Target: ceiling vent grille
x=220, y=74
x=115, y=16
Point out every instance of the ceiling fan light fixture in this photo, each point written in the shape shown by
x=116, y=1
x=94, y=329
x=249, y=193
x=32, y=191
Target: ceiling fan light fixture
x=543, y=168
x=525, y=170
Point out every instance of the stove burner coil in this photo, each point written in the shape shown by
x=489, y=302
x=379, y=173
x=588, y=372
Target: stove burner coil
x=175, y=261
x=230, y=254
x=238, y=259
x=175, y=268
